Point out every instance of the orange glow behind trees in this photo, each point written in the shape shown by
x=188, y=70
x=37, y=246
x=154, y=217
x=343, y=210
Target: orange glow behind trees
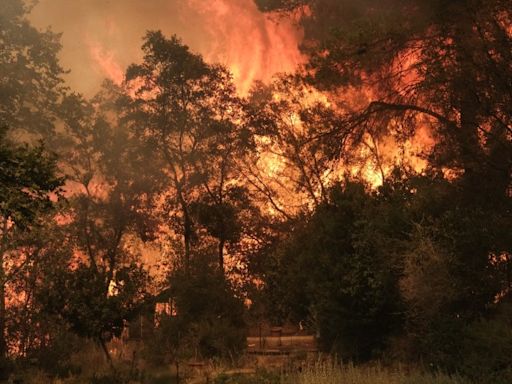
x=353, y=175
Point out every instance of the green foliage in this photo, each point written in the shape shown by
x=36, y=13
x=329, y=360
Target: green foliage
x=209, y=316
x=477, y=350
x=164, y=379
x=223, y=220
x=188, y=112
x=451, y=281
x=208, y=320
x=27, y=177
x=109, y=378
x=486, y=347
x=411, y=262
x=31, y=83
x=6, y=368
x=422, y=264
x=339, y=271
x=98, y=283
x=81, y=297
x=30, y=181
x=53, y=356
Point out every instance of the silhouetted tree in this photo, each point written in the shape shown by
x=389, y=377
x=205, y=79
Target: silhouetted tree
x=339, y=271
x=30, y=74
x=28, y=178
x=189, y=112
x=449, y=63
x=103, y=283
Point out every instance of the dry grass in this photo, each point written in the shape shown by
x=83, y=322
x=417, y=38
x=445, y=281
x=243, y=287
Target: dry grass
x=332, y=373
x=321, y=372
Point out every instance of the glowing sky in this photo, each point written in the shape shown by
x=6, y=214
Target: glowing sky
x=102, y=37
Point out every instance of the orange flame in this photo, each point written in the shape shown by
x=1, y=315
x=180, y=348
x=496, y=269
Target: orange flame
x=251, y=44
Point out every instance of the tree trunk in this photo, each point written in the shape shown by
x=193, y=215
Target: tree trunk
x=187, y=235
x=187, y=226
x=106, y=352
x=3, y=342
x=467, y=100
x=221, y=254
x=508, y=265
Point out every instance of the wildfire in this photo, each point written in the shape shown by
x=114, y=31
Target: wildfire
x=253, y=45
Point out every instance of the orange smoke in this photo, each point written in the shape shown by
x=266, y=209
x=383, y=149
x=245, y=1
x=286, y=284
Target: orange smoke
x=106, y=61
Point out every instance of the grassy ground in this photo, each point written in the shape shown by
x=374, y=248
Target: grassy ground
x=328, y=373
x=93, y=369
x=317, y=374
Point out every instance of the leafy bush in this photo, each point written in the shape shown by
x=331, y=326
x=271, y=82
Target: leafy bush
x=6, y=367
x=487, y=349
x=339, y=270
x=54, y=358
x=209, y=316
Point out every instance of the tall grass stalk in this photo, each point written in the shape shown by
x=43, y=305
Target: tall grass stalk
x=329, y=372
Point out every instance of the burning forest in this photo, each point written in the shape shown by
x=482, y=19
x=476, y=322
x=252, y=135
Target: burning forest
x=256, y=191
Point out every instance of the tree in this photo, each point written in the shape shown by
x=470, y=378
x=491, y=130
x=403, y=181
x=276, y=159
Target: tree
x=78, y=297
x=208, y=314
x=452, y=277
x=103, y=283
x=28, y=179
x=30, y=73
x=448, y=62
x=30, y=89
x=446, y=66
x=291, y=157
x=33, y=335
x=188, y=111
x=339, y=271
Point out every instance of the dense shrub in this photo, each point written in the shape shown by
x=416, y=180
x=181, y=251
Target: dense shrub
x=207, y=319
x=486, y=349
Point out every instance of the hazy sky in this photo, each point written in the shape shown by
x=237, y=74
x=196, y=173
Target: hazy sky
x=101, y=37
